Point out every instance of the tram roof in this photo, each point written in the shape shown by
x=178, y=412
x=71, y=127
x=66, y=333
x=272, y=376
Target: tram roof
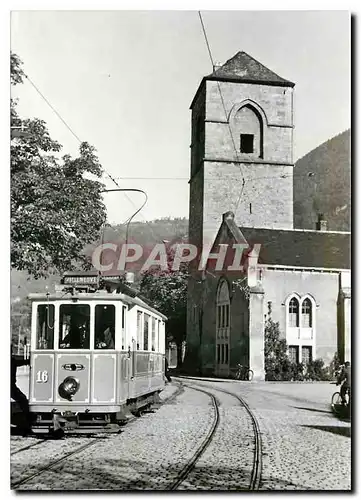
x=95, y=296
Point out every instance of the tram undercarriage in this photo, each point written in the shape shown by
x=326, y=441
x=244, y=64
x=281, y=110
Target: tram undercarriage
x=85, y=421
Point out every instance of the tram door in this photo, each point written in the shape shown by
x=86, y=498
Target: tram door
x=223, y=330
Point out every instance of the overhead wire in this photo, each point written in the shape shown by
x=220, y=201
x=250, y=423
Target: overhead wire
x=69, y=128
x=225, y=112
x=244, y=180
x=80, y=141
x=52, y=107
x=281, y=176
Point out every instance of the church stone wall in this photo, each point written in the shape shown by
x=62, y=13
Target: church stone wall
x=267, y=194
x=209, y=327
x=239, y=327
x=219, y=144
x=276, y=101
x=196, y=204
x=266, y=200
x=324, y=288
x=277, y=104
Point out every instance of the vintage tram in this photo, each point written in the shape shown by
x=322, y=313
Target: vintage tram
x=97, y=352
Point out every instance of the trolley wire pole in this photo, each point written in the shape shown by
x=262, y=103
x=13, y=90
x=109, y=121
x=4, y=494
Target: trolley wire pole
x=132, y=217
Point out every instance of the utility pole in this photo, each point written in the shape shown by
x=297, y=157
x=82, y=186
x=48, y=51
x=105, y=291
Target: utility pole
x=19, y=339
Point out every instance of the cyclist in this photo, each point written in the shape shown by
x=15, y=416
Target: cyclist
x=344, y=379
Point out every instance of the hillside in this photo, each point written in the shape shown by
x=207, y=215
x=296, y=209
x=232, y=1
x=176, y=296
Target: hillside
x=146, y=234
x=322, y=184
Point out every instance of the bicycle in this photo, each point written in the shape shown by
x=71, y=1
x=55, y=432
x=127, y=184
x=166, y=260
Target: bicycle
x=244, y=373
x=336, y=401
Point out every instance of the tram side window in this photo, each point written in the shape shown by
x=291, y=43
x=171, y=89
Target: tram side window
x=146, y=332
x=139, y=329
x=158, y=335
x=45, y=327
x=153, y=334
x=104, y=337
x=124, y=314
x=74, y=327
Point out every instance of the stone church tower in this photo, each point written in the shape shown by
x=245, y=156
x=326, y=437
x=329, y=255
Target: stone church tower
x=241, y=161
x=241, y=191
x=241, y=150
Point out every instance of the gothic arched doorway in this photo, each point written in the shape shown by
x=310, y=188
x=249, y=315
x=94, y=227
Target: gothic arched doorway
x=222, y=329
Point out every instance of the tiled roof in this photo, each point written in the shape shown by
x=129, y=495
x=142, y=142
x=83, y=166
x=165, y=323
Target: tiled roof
x=301, y=248
x=243, y=67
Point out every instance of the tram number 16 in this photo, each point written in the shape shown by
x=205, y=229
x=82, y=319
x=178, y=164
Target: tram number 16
x=42, y=377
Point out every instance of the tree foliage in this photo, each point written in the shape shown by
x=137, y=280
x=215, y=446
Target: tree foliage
x=20, y=320
x=279, y=367
x=55, y=209
x=277, y=364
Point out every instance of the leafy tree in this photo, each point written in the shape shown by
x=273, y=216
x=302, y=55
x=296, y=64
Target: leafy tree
x=277, y=364
x=167, y=290
x=55, y=209
x=20, y=320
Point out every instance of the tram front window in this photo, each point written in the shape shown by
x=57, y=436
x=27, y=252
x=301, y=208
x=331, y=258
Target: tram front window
x=74, y=328
x=45, y=327
x=104, y=327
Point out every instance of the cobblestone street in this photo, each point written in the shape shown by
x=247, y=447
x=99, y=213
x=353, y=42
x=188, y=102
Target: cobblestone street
x=180, y=257
x=163, y=449
x=304, y=446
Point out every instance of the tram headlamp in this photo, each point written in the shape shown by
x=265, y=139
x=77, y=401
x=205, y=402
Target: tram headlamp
x=68, y=388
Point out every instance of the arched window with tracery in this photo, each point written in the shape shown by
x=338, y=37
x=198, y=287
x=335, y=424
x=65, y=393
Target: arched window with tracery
x=301, y=327
x=293, y=313
x=306, y=321
x=223, y=320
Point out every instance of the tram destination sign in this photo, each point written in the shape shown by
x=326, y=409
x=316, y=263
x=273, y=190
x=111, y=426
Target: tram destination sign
x=80, y=280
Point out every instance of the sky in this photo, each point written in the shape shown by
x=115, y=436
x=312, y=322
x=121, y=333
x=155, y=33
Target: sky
x=124, y=80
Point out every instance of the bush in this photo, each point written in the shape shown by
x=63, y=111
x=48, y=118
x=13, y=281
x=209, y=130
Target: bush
x=297, y=372
x=277, y=364
x=316, y=370
x=334, y=366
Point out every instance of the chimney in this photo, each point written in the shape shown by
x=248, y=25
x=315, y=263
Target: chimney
x=228, y=216
x=321, y=224
x=216, y=65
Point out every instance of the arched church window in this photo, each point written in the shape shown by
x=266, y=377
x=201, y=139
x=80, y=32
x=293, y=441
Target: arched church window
x=223, y=310
x=293, y=312
x=249, y=125
x=223, y=315
x=306, y=314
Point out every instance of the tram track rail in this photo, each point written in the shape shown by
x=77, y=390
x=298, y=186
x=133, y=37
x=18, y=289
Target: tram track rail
x=53, y=463
x=182, y=475
x=256, y=474
x=27, y=447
